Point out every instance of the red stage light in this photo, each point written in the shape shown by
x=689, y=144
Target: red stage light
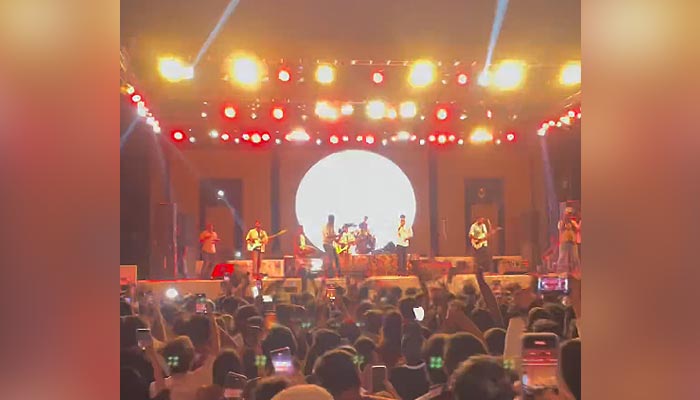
x=278, y=113
x=225, y=137
x=378, y=77
x=462, y=79
x=431, y=138
x=230, y=112
x=510, y=137
x=369, y=139
x=255, y=138
x=135, y=98
x=441, y=114
x=266, y=137
x=334, y=139
x=178, y=136
x=284, y=75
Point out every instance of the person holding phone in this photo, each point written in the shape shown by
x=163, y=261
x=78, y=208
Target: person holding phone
x=208, y=238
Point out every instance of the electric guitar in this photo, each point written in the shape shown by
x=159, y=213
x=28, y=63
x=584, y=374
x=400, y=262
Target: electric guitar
x=255, y=244
x=479, y=243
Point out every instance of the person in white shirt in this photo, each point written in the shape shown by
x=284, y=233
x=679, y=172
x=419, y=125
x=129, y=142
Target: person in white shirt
x=569, y=237
x=329, y=237
x=478, y=235
x=256, y=240
x=405, y=233
x=208, y=238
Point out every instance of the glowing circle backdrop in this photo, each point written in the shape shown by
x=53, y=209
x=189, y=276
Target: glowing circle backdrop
x=351, y=184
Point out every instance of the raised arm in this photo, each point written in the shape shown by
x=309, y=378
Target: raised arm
x=489, y=298
x=214, y=337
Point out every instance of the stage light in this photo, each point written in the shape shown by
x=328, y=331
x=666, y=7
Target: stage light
x=377, y=77
x=253, y=115
x=376, y=109
x=174, y=70
x=284, y=75
x=135, y=98
x=325, y=74
x=442, y=139
x=150, y=121
x=571, y=74
x=421, y=142
x=347, y=109
x=489, y=114
x=214, y=133
x=171, y=293
x=431, y=138
x=566, y=120
x=237, y=254
x=441, y=114
x=369, y=139
x=203, y=114
x=156, y=129
x=266, y=137
x=391, y=113
x=247, y=71
x=141, y=109
x=572, y=113
x=422, y=73
x=192, y=139
x=220, y=194
x=384, y=142
x=510, y=136
x=460, y=142
x=541, y=131
x=130, y=89
x=551, y=122
x=578, y=115
x=319, y=141
x=225, y=137
x=498, y=141
x=256, y=138
x=509, y=75
x=297, y=135
x=462, y=117
x=403, y=136
x=278, y=141
x=408, y=109
x=334, y=139
x=325, y=111
x=246, y=137
x=278, y=113
x=451, y=138
x=462, y=79
x=236, y=140
x=178, y=136
x=484, y=79
x=359, y=138
x=346, y=139
x=230, y=112
x=481, y=135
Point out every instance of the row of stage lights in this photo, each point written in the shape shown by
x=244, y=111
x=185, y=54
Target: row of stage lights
x=141, y=109
x=249, y=72
x=566, y=120
x=479, y=135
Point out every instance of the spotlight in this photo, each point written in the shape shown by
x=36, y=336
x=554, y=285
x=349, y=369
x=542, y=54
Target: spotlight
x=422, y=73
x=325, y=111
x=463, y=117
x=278, y=141
x=462, y=79
x=572, y=113
x=359, y=138
x=220, y=194
x=192, y=139
x=325, y=74
x=489, y=114
x=403, y=136
x=441, y=114
x=178, y=136
x=570, y=74
x=460, y=142
x=510, y=137
x=346, y=139
x=174, y=70
x=266, y=137
x=578, y=115
x=391, y=113
x=334, y=139
x=135, y=98
x=246, y=137
x=431, y=138
x=451, y=138
x=378, y=77
x=369, y=139
x=283, y=75
x=130, y=89
x=384, y=142
x=408, y=109
x=225, y=137
x=551, y=122
x=498, y=141
x=156, y=129
x=484, y=79
x=481, y=135
x=171, y=293
x=318, y=141
x=347, y=109
x=509, y=75
x=237, y=254
x=256, y=138
x=246, y=71
x=214, y=133
x=278, y=113
x=376, y=109
x=253, y=115
x=442, y=139
x=297, y=135
x=541, y=131
x=203, y=114
x=141, y=109
x=230, y=112
x=421, y=142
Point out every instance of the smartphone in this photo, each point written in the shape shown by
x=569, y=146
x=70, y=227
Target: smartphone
x=234, y=385
x=419, y=312
x=200, y=305
x=282, y=361
x=540, y=356
x=378, y=378
x=255, y=291
x=330, y=293
x=144, y=338
x=553, y=284
x=268, y=304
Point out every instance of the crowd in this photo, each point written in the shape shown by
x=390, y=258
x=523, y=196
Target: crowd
x=355, y=342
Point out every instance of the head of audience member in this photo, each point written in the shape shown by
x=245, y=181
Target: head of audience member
x=230, y=304
x=199, y=330
x=406, y=306
x=482, y=318
x=269, y=387
x=434, y=349
x=546, y=326
x=394, y=295
x=460, y=347
x=374, y=319
x=482, y=378
x=128, y=326
x=337, y=373
x=227, y=361
x=570, y=367
x=411, y=348
x=361, y=309
x=179, y=354
x=392, y=328
x=125, y=308
x=242, y=314
x=557, y=311
x=303, y=392
x=323, y=341
x=250, y=368
x=495, y=341
x=279, y=337
x=132, y=386
x=365, y=349
x=349, y=330
x=535, y=314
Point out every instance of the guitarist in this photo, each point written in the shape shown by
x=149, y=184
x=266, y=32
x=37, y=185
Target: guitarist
x=256, y=240
x=479, y=234
x=329, y=237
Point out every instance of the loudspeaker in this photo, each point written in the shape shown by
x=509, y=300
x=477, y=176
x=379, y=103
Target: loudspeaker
x=163, y=257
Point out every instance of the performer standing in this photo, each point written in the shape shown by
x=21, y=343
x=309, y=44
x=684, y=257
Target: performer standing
x=405, y=233
x=208, y=238
x=256, y=240
x=479, y=234
x=568, y=228
x=302, y=247
x=329, y=237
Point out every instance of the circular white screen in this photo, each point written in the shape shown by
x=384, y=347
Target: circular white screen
x=352, y=184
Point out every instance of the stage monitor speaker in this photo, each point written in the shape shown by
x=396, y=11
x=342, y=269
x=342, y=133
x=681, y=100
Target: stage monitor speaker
x=163, y=257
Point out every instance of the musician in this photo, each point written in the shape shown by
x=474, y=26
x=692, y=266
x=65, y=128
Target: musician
x=329, y=237
x=404, y=233
x=364, y=241
x=208, y=238
x=569, y=228
x=302, y=246
x=256, y=240
x=478, y=234
x=363, y=225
